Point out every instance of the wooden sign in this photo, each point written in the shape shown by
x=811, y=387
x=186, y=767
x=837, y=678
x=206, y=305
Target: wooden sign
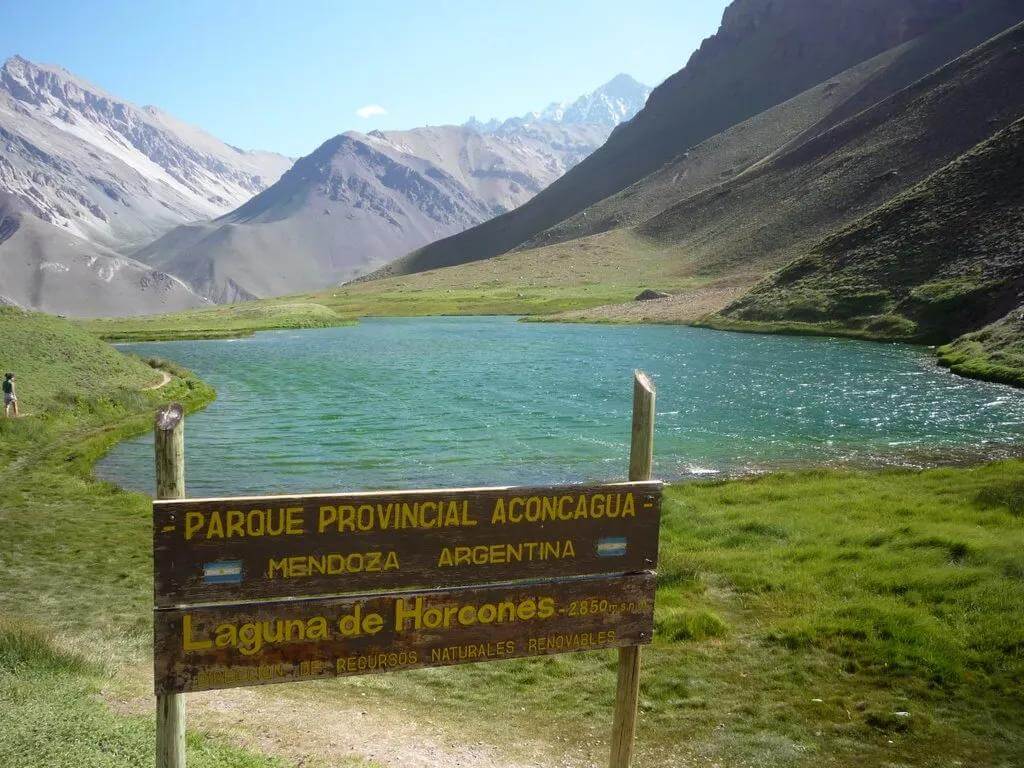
x=222, y=646
x=512, y=572
x=209, y=550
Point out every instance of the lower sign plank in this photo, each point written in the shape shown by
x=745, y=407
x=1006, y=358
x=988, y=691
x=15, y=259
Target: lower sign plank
x=223, y=646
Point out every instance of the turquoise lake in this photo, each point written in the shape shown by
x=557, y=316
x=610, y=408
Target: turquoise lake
x=437, y=402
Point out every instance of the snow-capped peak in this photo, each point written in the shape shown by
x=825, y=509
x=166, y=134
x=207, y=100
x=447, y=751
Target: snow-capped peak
x=614, y=102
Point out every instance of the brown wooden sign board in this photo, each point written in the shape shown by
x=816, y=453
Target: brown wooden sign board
x=211, y=550
x=228, y=645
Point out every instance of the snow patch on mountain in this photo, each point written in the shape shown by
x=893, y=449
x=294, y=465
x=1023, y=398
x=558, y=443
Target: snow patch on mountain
x=107, y=171
x=614, y=102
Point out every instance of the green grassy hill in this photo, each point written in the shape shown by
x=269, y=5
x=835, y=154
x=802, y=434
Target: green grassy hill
x=943, y=258
x=54, y=360
x=59, y=529
x=995, y=353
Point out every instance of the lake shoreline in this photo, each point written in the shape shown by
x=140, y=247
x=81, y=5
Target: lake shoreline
x=267, y=315
x=848, y=586
x=909, y=414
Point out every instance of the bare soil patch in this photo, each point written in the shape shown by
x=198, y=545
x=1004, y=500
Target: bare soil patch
x=316, y=731
x=684, y=307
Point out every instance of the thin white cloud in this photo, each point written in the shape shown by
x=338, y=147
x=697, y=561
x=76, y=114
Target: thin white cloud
x=371, y=110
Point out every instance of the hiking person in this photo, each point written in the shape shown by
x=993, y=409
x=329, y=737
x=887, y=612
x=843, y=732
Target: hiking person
x=10, y=398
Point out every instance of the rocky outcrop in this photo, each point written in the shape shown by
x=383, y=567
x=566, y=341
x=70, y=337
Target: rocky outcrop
x=44, y=268
x=650, y=295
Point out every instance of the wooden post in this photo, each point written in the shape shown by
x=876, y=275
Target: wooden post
x=169, y=441
x=627, y=693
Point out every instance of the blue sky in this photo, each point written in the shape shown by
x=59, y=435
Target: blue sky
x=286, y=76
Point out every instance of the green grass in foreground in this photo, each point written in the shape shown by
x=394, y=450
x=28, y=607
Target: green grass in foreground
x=877, y=593
x=63, y=632
x=56, y=361
x=53, y=714
x=812, y=619
x=820, y=618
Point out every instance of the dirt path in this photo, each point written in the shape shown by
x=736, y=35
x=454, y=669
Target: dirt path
x=164, y=381
x=354, y=733
x=333, y=733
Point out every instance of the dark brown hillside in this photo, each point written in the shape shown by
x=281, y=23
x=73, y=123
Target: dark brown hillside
x=944, y=258
x=982, y=20
x=776, y=212
x=789, y=124
x=765, y=52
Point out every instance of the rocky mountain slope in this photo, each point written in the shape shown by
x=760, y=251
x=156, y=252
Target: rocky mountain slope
x=787, y=125
x=765, y=52
x=44, y=267
x=733, y=208
x=773, y=212
x=109, y=172
x=360, y=200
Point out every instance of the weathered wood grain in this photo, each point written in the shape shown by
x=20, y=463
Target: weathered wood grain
x=627, y=690
x=228, y=645
x=169, y=453
x=210, y=550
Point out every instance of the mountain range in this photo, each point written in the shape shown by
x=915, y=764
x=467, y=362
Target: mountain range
x=613, y=103
x=89, y=177
x=821, y=185
x=839, y=166
x=109, y=172
x=764, y=53
x=362, y=200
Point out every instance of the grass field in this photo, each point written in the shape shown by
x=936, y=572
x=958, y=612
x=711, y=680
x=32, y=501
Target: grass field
x=545, y=281
x=222, y=321
x=53, y=715
x=821, y=618
x=64, y=632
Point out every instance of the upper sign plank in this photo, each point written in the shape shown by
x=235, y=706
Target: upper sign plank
x=211, y=550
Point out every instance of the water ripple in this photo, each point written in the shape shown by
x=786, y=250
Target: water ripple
x=464, y=401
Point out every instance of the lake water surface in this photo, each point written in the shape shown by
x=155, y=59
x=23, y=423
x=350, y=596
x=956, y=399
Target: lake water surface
x=437, y=402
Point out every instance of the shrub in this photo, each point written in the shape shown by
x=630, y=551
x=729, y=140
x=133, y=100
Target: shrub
x=22, y=649
x=1009, y=495
x=683, y=624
